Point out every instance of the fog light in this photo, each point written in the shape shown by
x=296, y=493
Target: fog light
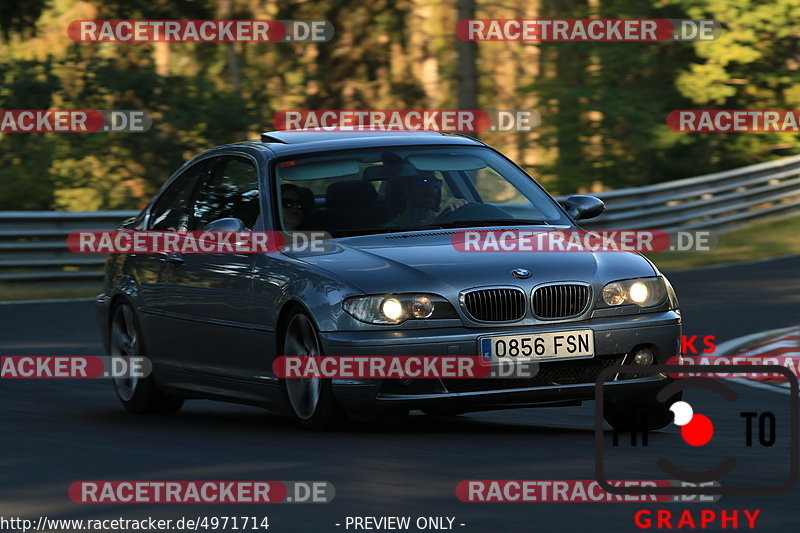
x=643, y=356
x=422, y=307
x=392, y=309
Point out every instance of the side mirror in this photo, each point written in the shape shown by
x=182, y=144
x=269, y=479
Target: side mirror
x=581, y=206
x=225, y=224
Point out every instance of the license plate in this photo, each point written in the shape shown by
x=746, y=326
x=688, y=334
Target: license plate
x=540, y=346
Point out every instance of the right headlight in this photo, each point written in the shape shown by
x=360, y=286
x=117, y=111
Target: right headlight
x=644, y=292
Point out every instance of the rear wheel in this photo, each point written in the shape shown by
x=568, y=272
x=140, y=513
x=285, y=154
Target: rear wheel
x=138, y=395
x=311, y=400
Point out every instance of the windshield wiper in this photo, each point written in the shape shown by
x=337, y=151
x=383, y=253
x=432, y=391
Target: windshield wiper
x=445, y=225
x=499, y=222
x=377, y=231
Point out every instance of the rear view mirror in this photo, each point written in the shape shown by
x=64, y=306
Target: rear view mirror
x=225, y=224
x=582, y=207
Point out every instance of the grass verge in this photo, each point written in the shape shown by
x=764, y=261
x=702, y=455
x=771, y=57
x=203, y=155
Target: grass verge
x=37, y=290
x=759, y=240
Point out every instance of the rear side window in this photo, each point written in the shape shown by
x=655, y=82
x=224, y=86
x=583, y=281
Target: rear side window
x=171, y=211
x=231, y=192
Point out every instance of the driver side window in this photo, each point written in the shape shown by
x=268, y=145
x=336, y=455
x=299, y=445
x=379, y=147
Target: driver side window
x=231, y=192
x=171, y=211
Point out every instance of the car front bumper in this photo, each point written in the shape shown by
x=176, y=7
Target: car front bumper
x=558, y=382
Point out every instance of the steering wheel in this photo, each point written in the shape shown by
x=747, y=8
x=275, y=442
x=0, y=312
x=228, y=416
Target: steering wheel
x=446, y=216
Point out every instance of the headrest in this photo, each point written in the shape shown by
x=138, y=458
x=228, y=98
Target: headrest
x=375, y=173
x=306, y=196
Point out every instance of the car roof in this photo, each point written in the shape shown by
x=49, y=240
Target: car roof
x=311, y=136
x=292, y=142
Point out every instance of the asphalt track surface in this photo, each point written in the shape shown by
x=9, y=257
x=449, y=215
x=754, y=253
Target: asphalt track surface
x=54, y=432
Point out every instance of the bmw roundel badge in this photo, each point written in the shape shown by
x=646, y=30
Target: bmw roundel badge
x=521, y=273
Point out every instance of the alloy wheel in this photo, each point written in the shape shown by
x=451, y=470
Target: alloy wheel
x=301, y=340
x=124, y=343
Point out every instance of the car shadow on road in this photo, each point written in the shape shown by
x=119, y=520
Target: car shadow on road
x=242, y=421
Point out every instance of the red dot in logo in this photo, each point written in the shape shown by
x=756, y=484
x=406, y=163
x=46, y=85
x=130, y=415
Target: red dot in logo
x=698, y=431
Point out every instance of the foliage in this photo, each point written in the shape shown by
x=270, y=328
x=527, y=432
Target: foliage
x=603, y=105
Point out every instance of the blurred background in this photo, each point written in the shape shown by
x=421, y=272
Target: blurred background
x=603, y=105
x=603, y=108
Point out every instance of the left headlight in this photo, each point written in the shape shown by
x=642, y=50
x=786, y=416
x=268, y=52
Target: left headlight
x=397, y=308
x=644, y=292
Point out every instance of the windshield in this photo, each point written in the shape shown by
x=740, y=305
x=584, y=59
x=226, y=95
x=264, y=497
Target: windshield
x=399, y=189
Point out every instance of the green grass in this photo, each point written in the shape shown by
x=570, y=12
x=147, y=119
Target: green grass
x=37, y=290
x=759, y=240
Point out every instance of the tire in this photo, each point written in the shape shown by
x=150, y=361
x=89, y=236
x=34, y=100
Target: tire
x=640, y=414
x=311, y=401
x=137, y=395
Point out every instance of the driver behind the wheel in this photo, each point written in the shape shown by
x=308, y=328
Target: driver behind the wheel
x=421, y=197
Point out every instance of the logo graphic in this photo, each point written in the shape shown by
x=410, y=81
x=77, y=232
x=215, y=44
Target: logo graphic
x=696, y=430
x=521, y=273
x=743, y=438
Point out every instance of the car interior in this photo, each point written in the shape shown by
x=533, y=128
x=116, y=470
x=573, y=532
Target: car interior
x=346, y=195
x=368, y=201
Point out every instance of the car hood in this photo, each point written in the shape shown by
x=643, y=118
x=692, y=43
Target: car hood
x=411, y=262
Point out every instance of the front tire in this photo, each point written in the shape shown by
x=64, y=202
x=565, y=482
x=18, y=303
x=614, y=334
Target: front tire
x=310, y=400
x=137, y=395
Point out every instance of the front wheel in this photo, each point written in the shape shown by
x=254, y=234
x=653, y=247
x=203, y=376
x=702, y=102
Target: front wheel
x=311, y=400
x=138, y=395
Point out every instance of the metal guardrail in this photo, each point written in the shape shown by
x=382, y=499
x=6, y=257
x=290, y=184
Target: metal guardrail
x=718, y=202
x=32, y=243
